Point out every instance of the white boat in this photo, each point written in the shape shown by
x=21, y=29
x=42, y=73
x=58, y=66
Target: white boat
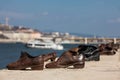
x=44, y=45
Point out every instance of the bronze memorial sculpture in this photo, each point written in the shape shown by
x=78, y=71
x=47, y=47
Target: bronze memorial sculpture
x=34, y=62
x=69, y=58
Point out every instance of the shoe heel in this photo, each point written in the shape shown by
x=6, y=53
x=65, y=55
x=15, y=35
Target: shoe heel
x=79, y=66
x=37, y=67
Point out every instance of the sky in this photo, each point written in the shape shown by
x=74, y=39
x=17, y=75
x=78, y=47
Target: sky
x=97, y=17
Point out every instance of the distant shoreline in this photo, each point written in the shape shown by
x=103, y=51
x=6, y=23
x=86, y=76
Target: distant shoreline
x=10, y=41
x=72, y=41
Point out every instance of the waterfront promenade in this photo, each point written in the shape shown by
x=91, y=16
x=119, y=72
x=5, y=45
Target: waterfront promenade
x=108, y=68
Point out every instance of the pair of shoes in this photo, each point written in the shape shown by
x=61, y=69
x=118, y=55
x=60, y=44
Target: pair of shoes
x=68, y=58
x=26, y=61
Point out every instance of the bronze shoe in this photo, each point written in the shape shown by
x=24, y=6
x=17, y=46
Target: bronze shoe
x=25, y=61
